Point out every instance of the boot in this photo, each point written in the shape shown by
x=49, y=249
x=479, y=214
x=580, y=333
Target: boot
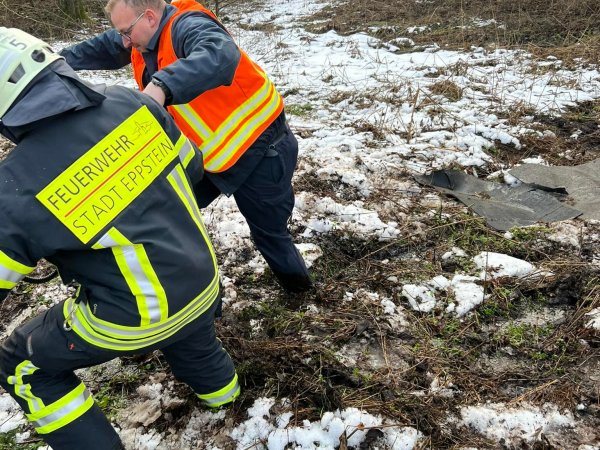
x=294, y=283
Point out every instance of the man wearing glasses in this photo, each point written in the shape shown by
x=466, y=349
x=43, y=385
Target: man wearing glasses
x=185, y=59
x=127, y=33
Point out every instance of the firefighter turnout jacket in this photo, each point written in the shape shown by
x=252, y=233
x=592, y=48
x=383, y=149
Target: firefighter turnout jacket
x=100, y=184
x=105, y=194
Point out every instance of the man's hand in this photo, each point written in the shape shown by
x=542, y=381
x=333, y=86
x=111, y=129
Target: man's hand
x=155, y=92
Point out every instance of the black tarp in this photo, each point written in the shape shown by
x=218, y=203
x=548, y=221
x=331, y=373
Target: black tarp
x=502, y=206
x=582, y=183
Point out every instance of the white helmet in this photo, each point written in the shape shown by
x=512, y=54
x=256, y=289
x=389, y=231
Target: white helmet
x=22, y=57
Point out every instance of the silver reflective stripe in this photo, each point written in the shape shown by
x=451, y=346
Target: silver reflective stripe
x=181, y=183
x=221, y=133
x=24, y=390
x=145, y=285
x=11, y=271
x=185, y=149
x=134, y=344
x=10, y=275
x=199, y=127
x=137, y=270
x=64, y=411
x=107, y=241
x=224, y=398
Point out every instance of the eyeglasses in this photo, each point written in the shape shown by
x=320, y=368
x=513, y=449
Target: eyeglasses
x=127, y=33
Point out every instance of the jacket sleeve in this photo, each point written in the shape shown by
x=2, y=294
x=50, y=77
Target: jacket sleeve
x=208, y=58
x=13, y=269
x=18, y=253
x=104, y=51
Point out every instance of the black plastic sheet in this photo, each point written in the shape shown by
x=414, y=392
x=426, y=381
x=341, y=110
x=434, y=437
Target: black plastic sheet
x=503, y=207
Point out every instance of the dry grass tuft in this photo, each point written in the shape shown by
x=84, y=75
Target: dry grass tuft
x=448, y=89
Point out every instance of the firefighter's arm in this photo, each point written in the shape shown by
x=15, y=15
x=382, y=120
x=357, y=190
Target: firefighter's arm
x=17, y=258
x=12, y=270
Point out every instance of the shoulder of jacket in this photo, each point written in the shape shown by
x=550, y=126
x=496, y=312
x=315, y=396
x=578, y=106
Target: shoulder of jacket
x=192, y=18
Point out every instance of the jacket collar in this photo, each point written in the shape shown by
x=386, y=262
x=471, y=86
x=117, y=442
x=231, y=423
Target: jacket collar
x=167, y=13
x=56, y=90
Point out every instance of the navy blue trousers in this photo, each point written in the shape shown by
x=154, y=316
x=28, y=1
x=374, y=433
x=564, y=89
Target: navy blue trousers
x=38, y=360
x=266, y=200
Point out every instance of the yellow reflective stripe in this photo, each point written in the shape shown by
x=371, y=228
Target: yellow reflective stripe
x=241, y=135
x=247, y=109
x=187, y=152
x=237, y=116
x=188, y=114
x=222, y=396
x=139, y=275
x=11, y=271
x=183, y=189
x=24, y=390
x=159, y=302
x=13, y=265
x=121, y=338
x=122, y=253
x=63, y=411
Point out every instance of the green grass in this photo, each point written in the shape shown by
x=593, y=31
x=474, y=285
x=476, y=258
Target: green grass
x=302, y=110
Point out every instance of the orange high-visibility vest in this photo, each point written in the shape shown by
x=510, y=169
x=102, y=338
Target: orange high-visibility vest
x=224, y=121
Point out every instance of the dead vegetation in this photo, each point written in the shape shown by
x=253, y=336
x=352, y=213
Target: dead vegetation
x=47, y=20
x=346, y=352
x=349, y=354
x=570, y=28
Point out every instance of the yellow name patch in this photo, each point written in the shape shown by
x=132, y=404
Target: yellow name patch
x=108, y=177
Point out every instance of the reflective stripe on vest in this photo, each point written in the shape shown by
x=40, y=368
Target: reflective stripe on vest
x=225, y=121
x=222, y=396
x=63, y=411
x=11, y=271
x=221, y=146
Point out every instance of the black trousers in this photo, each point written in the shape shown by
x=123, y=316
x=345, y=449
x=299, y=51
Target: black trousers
x=266, y=200
x=38, y=360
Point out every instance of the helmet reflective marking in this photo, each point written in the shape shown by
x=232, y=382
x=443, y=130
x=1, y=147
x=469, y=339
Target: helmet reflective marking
x=22, y=57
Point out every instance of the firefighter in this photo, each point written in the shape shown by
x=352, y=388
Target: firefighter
x=100, y=184
x=223, y=101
